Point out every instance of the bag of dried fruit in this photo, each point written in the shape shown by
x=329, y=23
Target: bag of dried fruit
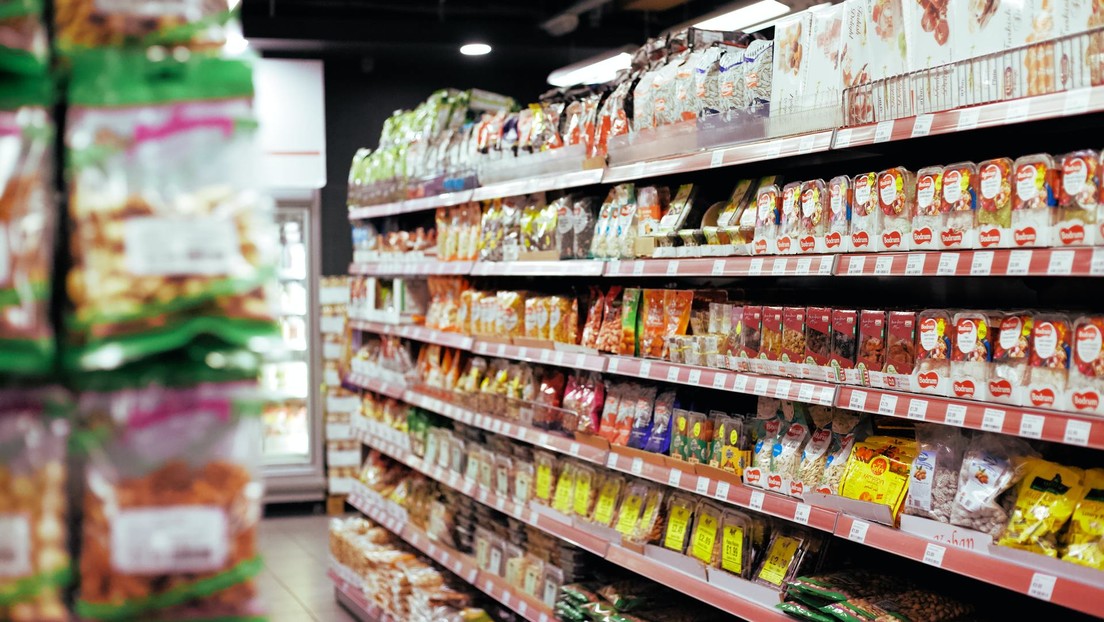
x=34, y=555
x=172, y=501
x=170, y=237
x=28, y=213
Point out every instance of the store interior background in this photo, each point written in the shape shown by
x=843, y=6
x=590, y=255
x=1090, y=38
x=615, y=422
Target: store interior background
x=384, y=55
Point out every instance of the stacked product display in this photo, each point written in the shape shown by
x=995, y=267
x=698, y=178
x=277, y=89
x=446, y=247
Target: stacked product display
x=148, y=385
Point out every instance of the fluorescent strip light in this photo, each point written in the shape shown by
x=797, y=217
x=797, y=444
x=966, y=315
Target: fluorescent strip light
x=744, y=17
x=475, y=49
x=595, y=70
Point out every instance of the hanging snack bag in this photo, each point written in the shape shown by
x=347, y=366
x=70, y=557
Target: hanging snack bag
x=992, y=464
x=680, y=434
x=1084, y=540
x=34, y=551
x=768, y=214
x=789, y=225
x=770, y=348
x=680, y=516
x=866, y=225
x=970, y=355
x=83, y=24
x=1008, y=372
x=1049, y=361
x=958, y=205
x=699, y=438
x=1045, y=501
x=594, y=317
x=749, y=337
x=763, y=430
x=837, y=236
x=28, y=215
x=1075, y=222
x=726, y=453
x=638, y=417
x=896, y=199
x=994, y=213
x=563, y=495
x=172, y=505
x=658, y=438
x=705, y=540
x=609, y=335
x=872, y=341
x=146, y=168
x=625, y=411
x=934, y=474
x=928, y=218
x=612, y=403
x=1033, y=200
x=605, y=227
x=814, y=455
x=1086, y=374
x=935, y=332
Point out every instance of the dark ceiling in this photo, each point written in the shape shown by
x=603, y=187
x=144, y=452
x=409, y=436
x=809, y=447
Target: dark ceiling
x=410, y=33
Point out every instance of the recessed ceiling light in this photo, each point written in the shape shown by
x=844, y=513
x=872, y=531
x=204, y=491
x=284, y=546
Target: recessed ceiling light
x=475, y=49
x=744, y=17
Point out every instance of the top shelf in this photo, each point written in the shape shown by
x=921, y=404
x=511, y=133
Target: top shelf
x=1024, y=110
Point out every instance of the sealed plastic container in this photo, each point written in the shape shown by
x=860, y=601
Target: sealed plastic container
x=933, y=352
x=1033, y=200
x=812, y=218
x=866, y=226
x=790, y=220
x=1086, y=376
x=1008, y=371
x=1078, y=200
x=994, y=212
x=971, y=351
x=837, y=237
x=927, y=218
x=896, y=196
x=768, y=212
x=958, y=206
x=1049, y=361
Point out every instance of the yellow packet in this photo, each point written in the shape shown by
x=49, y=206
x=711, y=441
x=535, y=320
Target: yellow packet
x=1045, y=500
x=585, y=487
x=648, y=528
x=703, y=542
x=1085, y=538
x=606, y=506
x=879, y=472
x=680, y=514
x=563, y=500
x=545, y=476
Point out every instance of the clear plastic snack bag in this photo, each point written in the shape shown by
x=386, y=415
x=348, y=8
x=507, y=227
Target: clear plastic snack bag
x=935, y=471
x=992, y=464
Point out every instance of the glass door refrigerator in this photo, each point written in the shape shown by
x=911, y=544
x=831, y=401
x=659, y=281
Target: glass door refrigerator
x=293, y=456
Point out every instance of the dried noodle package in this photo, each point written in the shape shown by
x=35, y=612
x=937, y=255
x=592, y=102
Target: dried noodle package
x=34, y=556
x=28, y=215
x=171, y=505
x=171, y=237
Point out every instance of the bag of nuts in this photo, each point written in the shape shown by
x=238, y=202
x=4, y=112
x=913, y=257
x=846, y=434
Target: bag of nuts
x=934, y=476
x=992, y=464
x=171, y=237
x=172, y=502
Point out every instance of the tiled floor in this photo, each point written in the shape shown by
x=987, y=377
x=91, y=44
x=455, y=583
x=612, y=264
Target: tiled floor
x=294, y=582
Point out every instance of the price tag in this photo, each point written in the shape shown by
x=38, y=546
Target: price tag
x=637, y=466
x=523, y=352
x=488, y=587
x=1077, y=102
x=544, y=617
x=805, y=145
x=914, y=265
x=638, y=268
x=1061, y=263
x=948, y=264
x=779, y=266
x=674, y=478
x=695, y=376
x=645, y=369
x=457, y=567
x=501, y=350
x=1019, y=262
x=843, y=138
x=719, y=380
x=545, y=356
x=968, y=119
x=558, y=358
x=825, y=265
x=761, y=386
x=805, y=392
x=804, y=265
x=933, y=554
x=614, y=267
x=858, y=531
x=782, y=389
x=611, y=461
x=672, y=374
x=672, y=267
x=580, y=360
x=922, y=125
x=883, y=265
x=522, y=607
x=956, y=414
x=702, y=487
x=574, y=450
x=1077, y=432
x=722, y=490
x=1096, y=265
x=496, y=427
x=1031, y=426
x=1017, y=111
x=717, y=159
x=740, y=383
x=774, y=148
x=718, y=267
x=992, y=420
x=857, y=401
x=887, y=404
x=982, y=263
x=756, y=501
x=500, y=504
x=444, y=558
x=883, y=132
x=483, y=496
x=755, y=267
x=506, y=598
x=917, y=409
x=801, y=513
x=856, y=264
x=1042, y=586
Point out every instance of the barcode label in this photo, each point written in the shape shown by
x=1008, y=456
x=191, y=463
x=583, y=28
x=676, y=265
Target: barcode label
x=15, y=545
x=175, y=539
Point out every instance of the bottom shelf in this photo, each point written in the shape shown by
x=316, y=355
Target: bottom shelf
x=352, y=597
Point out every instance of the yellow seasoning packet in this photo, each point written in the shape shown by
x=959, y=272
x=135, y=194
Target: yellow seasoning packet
x=680, y=513
x=1085, y=537
x=703, y=542
x=1045, y=501
x=565, y=491
x=606, y=507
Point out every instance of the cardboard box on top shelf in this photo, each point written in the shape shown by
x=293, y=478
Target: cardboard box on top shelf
x=1079, y=62
x=824, y=85
x=855, y=62
x=792, y=42
x=930, y=40
x=888, y=57
x=989, y=28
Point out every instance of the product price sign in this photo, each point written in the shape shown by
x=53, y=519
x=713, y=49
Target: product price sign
x=948, y=264
x=968, y=119
x=1077, y=432
x=1042, y=586
x=887, y=404
x=922, y=125
x=1061, y=263
x=638, y=268
x=805, y=392
x=856, y=265
x=917, y=409
x=1076, y=102
x=1017, y=111
x=674, y=478
x=719, y=380
x=672, y=374
x=883, y=265
x=756, y=502
x=716, y=159
x=982, y=263
x=695, y=376
x=883, y=132
x=778, y=268
x=858, y=531
x=718, y=267
x=637, y=466
x=933, y=555
x=857, y=401
x=992, y=420
x=1031, y=426
x=722, y=490
x=702, y=486
x=843, y=138
x=914, y=265
x=782, y=388
x=956, y=414
x=804, y=265
x=645, y=369
x=806, y=144
x=1019, y=262
x=755, y=266
x=761, y=386
x=801, y=513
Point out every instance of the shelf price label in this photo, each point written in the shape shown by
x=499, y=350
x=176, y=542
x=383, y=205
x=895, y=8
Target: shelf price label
x=858, y=531
x=695, y=376
x=719, y=379
x=914, y=265
x=756, y=501
x=992, y=420
x=1019, y=262
x=1018, y=111
x=645, y=369
x=755, y=266
x=804, y=265
x=702, y=487
x=613, y=364
x=982, y=263
x=672, y=267
x=740, y=384
x=917, y=409
x=948, y=264
x=611, y=461
x=761, y=386
x=1077, y=432
x=805, y=392
x=722, y=490
x=806, y=144
x=801, y=513
x=968, y=118
x=637, y=466
x=779, y=266
x=782, y=388
x=843, y=138
x=887, y=404
x=883, y=132
x=956, y=414
x=933, y=555
x=922, y=125
x=717, y=159
x=718, y=267
x=1096, y=263
x=672, y=374
x=674, y=478
x=1077, y=102
x=883, y=265
x=856, y=265
x=638, y=268
x=826, y=263
x=857, y=401
x=1042, y=586
x=1061, y=263
x=1031, y=426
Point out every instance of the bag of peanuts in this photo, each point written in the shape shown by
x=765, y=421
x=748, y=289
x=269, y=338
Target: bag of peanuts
x=34, y=556
x=172, y=502
x=28, y=215
x=171, y=237
x=83, y=24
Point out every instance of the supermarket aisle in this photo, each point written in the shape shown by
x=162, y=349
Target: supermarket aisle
x=294, y=582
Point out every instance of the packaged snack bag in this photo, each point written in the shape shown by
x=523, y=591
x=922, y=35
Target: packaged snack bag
x=653, y=324
x=992, y=464
x=1086, y=375
x=1033, y=200
x=657, y=439
x=749, y=337
x=172, y=503
x=785, y=464
x=793, y=339
x=763, y=431
x=605, y=507
x=1049, y=361
x=631, y=338
x=24, y=42
x=896, y=196
x=845, y=344
x=770, y=348
x=837, y=237
x=934, y=474
x=1045, y=501
x=631, y=507
x=818, y=342
x=768, y=216
x=935, y=332
x=583, y=227
x=971, y=352
x=146, y=167
x=82, y=24
x=1008, y=371
x=787, y=555
x=870, y=354
x=34, y=552
x=650, y=527
x=927, y=219
x=878, y=471
x=28, y=215
x=1085, y=535
x=994, y=213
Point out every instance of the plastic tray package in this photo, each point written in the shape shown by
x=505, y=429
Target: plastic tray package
x=1086, y=373
x=928, y=219
x=737, y=539
x=1033, y=200
x=679, y=519
x=172, y=502
x=1078, y=199
x=896, y=197
x=34, y=555
x=789, y=554
x=92, y=23
x=28, y=215
x=705, y=540
x=171, y=236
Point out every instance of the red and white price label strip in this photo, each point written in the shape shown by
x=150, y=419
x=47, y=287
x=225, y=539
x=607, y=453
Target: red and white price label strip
x=1019, y=262
x=857, y=401
x=1060, y=263
x=982, y=263
x=1031, y=426
x=887, y=404
x=956, y=414
x=992, y=420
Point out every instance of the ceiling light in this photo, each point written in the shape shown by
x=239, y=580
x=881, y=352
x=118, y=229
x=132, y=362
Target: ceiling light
x=475, y=49
x=594, y=70
x=744, y=17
